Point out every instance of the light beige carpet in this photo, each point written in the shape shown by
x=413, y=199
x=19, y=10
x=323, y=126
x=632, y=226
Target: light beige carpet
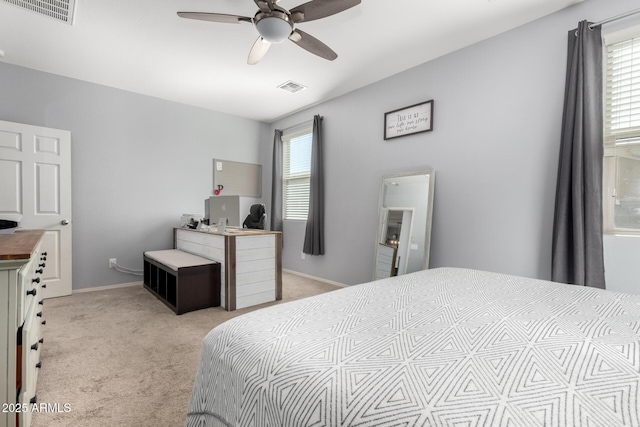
x=120, y=357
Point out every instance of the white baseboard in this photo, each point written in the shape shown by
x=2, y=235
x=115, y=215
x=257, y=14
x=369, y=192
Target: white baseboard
x=319, y=279
x=126, y=285
x=104, y=288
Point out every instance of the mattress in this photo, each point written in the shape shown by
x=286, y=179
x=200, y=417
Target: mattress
x=441, y=347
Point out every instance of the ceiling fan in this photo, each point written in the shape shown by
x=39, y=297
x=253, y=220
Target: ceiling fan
x=275, y=24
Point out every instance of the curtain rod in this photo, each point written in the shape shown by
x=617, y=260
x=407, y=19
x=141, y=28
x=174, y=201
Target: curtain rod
x=614, y=18
x=298, y=126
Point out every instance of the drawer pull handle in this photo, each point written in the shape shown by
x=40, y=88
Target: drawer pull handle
x=44, y=253
x=44, y=286
x=39, y=314
x=34, y=347
x=39, y=271
x=42, y=265
x=41, y=340
x=36, y=280
x=34, y=399
x=44, y=322
x=39, y=365
x=41, y=302
x=32, y=292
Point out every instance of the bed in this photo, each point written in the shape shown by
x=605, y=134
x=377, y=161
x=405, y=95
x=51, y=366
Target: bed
x=441, y=347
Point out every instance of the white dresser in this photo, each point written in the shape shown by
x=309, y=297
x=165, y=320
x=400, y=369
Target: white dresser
x=250, y=262
x=21, y=302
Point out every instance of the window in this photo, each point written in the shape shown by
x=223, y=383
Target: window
x=297, y=173
x=622, y=136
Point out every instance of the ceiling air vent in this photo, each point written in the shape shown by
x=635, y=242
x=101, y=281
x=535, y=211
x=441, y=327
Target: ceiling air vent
x=292, y=87
x=62, y=10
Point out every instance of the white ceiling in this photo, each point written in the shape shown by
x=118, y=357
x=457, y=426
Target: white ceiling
x=143, y=46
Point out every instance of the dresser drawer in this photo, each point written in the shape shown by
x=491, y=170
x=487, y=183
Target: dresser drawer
x=27, y=289
x=30, y=284
x=213, y=240
x=32, y=342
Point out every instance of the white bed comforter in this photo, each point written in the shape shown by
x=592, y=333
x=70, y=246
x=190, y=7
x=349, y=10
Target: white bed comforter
x=442, y=347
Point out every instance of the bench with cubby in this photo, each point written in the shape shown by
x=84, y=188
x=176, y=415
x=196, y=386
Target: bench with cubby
x=183, y=281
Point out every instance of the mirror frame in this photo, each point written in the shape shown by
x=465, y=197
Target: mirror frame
x=429, y=219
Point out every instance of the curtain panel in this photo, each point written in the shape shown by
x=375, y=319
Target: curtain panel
x=577, y=251
x=314, y=234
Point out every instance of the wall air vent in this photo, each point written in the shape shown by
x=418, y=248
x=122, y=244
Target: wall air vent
x=292, y=87
x=62, y=10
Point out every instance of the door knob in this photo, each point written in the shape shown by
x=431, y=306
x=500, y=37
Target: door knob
x=65, y=222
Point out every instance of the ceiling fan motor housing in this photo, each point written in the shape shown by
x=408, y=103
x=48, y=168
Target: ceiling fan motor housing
x=274, y=26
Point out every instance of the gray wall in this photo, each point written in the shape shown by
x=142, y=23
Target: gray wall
x=138, y=163
x=495, y=143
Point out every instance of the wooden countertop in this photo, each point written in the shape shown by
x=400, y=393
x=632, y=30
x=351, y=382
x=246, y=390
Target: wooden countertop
x=19, y=245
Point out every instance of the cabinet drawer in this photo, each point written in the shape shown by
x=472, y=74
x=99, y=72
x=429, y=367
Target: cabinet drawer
x=27, y=288
x=31, y=347
x=213, y=240
x=30, y=285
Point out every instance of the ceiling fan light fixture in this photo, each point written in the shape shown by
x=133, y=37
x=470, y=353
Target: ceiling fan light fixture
x=274, y=28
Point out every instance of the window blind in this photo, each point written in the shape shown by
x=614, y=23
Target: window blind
x=622, y=106
x=297, y=172
x=622, y=136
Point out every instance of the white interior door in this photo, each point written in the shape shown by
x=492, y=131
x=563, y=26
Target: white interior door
x=35, y=171
x=405, y=239
x=382, y=225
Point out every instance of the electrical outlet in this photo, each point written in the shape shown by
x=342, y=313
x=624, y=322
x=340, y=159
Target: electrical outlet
x=112, y=263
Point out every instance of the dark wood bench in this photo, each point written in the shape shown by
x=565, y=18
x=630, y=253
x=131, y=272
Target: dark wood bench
x=183, y=281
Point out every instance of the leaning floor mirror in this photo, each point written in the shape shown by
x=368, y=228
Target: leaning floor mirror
x=404, y=223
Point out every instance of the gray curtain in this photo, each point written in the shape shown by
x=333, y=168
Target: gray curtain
x=314, y=235
x=577, y=252
x=276, y=183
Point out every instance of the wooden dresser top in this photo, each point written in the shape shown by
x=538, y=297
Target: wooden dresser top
x=19, y=245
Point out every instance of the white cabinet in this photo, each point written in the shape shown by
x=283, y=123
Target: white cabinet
x=21, y=310
x=250, y=263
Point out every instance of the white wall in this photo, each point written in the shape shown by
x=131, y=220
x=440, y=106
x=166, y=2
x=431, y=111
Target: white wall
x=622, y=269
x=138, y=163
x=495, y=144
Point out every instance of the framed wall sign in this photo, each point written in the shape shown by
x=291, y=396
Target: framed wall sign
x=409, y=120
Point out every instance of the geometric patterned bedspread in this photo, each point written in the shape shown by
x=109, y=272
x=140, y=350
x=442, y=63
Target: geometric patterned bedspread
x=441, y=347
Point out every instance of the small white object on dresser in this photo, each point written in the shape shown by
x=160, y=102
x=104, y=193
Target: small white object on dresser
x=21, y=303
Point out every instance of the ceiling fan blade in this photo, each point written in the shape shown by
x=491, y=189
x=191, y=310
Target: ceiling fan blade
x=312, y=44
x=260, y=47
x=214, y=17
x=264, y=5
x=317, y=9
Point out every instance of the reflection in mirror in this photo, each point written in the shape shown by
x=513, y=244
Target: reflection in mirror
x=404, y=225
